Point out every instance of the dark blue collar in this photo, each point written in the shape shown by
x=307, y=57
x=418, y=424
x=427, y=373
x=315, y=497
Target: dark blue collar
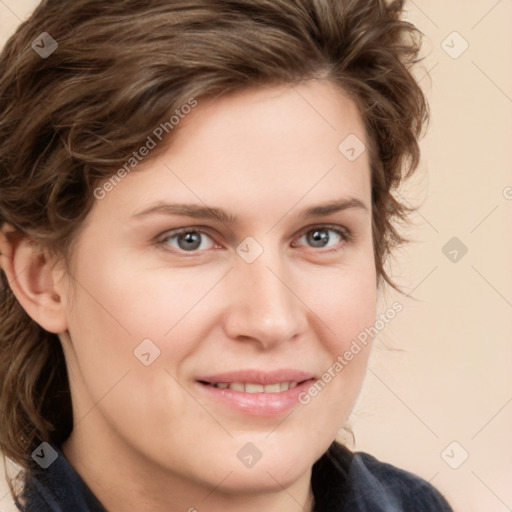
x=59, y=488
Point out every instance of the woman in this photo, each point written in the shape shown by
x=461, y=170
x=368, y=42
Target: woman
x=196, y=209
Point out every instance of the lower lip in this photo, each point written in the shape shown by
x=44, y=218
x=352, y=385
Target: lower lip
x=258, y=404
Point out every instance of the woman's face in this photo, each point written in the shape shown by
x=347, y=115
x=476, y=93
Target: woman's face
x=212, y=280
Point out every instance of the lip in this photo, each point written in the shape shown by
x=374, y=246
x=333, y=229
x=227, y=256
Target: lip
x=258, y=376
x=257, y=404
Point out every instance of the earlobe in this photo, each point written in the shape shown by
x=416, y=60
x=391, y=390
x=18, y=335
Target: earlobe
x=30, y=273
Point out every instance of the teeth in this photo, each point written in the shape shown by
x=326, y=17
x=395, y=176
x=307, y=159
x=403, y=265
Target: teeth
x=254, y=388
x=272, y=388
x=250, y=387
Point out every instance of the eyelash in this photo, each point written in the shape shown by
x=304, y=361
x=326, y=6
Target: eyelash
x=344, y=233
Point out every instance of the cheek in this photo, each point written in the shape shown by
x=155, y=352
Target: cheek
x=118, y=297
x=344, y=304
x=346, y=308
x=356, y=307
x=343, y=300
x=114, y=308
x=117, y=307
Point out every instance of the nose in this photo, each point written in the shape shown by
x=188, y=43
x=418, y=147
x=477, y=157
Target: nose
x=263, y=306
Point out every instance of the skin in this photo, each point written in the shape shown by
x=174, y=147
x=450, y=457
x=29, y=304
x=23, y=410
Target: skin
x=145, y=437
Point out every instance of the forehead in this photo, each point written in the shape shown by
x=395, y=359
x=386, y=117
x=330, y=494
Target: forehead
x=264, y=149
x=272, y=123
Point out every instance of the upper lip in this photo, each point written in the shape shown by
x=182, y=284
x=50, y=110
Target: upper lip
x=262, y=377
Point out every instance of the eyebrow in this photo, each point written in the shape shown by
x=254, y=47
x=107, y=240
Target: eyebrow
x=205, y=212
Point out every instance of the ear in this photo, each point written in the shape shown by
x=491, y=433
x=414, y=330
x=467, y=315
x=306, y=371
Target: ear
x=32, y=276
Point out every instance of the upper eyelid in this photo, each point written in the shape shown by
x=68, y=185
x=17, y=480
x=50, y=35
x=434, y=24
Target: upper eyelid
x=207, y=230
x=160, y=240
x=344, y=232
x=177, y=231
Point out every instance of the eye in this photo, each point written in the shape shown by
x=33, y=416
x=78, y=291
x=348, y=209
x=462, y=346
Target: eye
x=188, y=240
x=321, y=237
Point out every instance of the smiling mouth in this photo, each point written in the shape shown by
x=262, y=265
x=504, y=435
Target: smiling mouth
x=257, y=393
x=251, y=387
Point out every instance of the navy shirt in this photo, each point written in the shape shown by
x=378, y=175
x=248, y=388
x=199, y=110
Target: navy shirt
x=341, y=481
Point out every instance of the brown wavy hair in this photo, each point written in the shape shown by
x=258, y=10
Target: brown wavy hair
x=122, y=67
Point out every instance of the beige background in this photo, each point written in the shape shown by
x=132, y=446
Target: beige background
x=451, y=381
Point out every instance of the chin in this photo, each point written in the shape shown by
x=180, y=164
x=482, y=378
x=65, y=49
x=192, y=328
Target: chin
x=266, y=478
x=278, y=467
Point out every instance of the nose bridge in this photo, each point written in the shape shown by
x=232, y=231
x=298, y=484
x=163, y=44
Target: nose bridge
x=264, y=307
x=270, y=296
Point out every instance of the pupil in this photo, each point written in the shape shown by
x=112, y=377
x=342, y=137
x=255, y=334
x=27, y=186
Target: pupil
x=189, y=241
x=318, y=238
